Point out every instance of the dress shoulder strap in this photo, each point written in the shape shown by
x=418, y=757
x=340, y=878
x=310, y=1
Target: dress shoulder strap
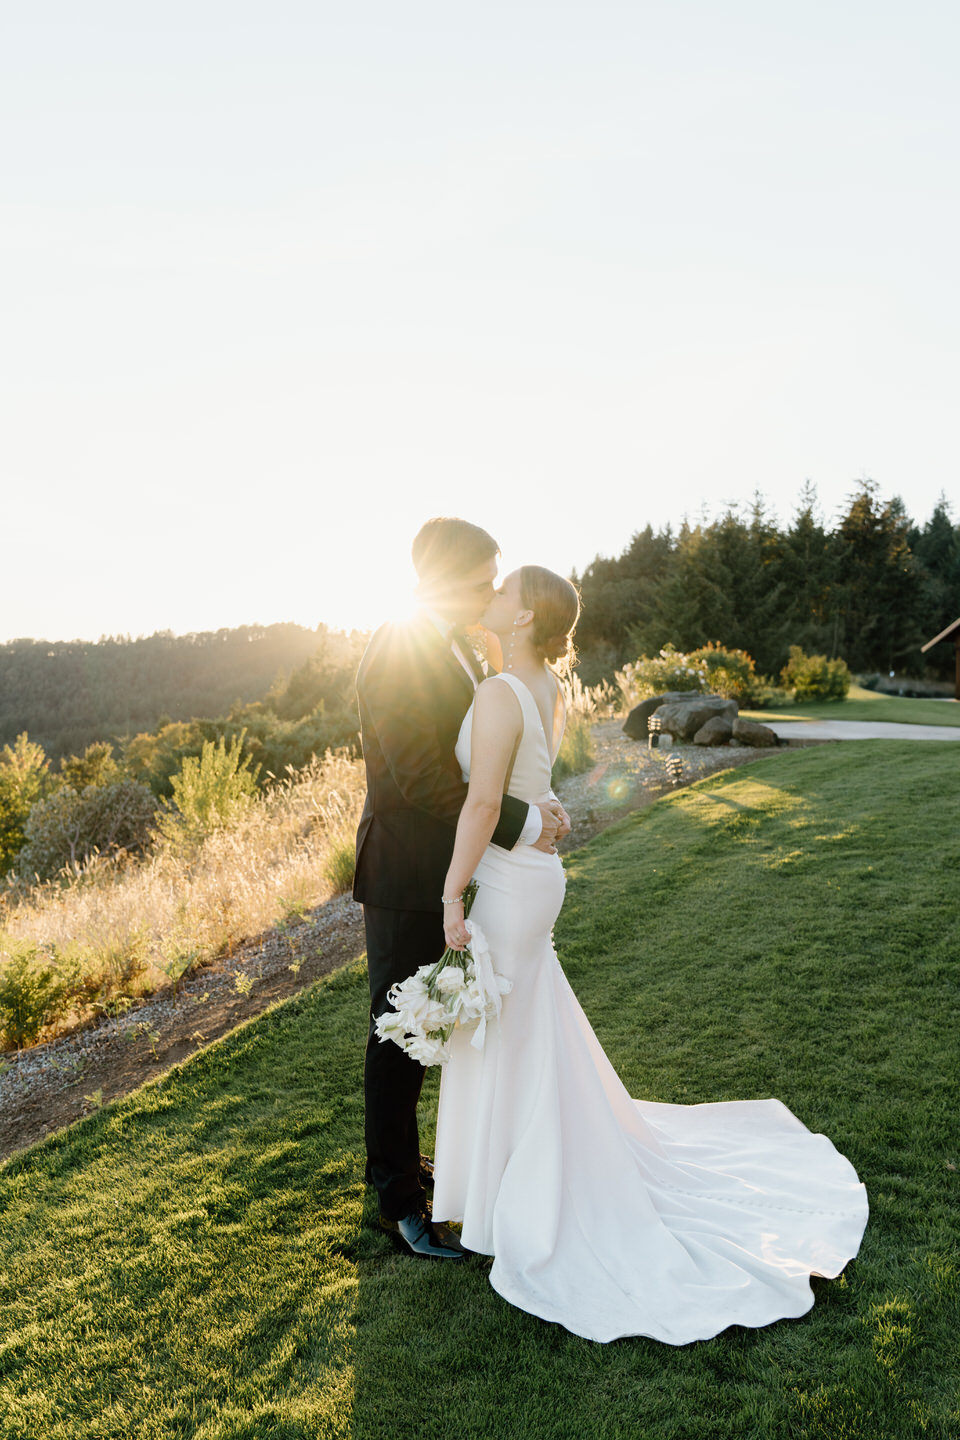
x=529, y=708
x=517, y=686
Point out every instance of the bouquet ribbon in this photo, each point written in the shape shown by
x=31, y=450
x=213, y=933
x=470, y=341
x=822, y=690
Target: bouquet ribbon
x=486, y=980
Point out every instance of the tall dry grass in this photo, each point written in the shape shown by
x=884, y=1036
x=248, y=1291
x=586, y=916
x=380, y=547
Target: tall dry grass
x=586, y=705
x=120, y=930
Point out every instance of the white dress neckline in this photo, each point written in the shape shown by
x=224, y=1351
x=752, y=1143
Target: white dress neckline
x=531, y=774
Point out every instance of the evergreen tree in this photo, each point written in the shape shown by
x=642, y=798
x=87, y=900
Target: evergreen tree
x=753, y=555
x=807, y=573
x=621, y=593
x=724, y=585
x=876, y=584
x=871, y=590
x=692, y=605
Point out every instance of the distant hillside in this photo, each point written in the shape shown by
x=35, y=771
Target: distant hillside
x=67, y=694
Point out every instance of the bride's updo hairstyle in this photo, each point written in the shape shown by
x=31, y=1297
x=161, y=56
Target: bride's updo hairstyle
x=556, y=609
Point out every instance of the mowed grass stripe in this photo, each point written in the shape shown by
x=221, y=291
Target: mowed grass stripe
x=864, y=704
x=200, y=1258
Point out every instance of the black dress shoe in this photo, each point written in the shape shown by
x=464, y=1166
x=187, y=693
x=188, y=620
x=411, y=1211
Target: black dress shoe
x=417, y=1234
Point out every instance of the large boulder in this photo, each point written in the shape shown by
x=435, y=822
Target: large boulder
x=635, y=725
x=683, y=718
x=717, y=731
x=748, y=732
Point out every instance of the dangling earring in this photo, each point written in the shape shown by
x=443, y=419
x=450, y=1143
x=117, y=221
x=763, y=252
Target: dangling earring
x=508, y=658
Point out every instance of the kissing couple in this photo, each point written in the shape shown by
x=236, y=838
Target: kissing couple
x=609, y=1215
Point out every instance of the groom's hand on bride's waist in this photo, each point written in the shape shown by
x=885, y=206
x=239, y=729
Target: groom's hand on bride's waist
x=556, y=824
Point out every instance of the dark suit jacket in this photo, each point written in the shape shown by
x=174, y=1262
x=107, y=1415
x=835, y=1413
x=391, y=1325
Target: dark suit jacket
x=413, y=695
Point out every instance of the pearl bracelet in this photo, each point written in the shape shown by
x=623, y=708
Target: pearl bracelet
x=451, y=899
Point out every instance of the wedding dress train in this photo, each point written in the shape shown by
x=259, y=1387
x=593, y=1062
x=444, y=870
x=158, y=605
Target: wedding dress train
x=610, y=1215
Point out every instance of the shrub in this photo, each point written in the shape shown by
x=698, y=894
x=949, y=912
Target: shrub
x=769, y=696
x=176, y=959
x=814, y=677
x=209, y=792
x=24, y=779
x=730, y=673
x=656, y=674
x=712, y=668
x=277, y=744
x=66, y=828
x=32, y=995
x=96, y=766
x=155, y=758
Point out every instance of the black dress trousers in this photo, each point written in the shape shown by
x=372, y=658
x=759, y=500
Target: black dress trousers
x=398, y=943
x=412, y=693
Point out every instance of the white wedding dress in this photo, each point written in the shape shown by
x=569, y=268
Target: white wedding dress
x=609, y=1215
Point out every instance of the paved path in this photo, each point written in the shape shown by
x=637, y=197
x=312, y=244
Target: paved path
x=860, y=730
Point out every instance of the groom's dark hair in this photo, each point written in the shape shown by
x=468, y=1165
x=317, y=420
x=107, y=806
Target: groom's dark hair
x=445, y=547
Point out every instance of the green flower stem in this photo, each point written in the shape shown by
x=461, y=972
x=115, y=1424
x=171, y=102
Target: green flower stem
x=469, y=895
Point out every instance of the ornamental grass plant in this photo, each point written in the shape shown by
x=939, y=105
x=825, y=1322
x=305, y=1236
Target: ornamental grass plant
x=586, y=704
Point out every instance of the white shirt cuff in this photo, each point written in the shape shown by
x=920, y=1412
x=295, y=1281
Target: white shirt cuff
x=532, y=827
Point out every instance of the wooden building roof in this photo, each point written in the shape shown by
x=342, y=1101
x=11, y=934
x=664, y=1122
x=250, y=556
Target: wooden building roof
x=952, y=632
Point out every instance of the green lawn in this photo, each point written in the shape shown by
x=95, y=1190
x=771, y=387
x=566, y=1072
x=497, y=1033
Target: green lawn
x=863, y=704
x=199, y=1259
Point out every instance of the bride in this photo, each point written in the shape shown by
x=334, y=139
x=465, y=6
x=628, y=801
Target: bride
x=609, y=1215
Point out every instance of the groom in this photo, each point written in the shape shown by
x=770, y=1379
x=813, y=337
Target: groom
x=415, y=684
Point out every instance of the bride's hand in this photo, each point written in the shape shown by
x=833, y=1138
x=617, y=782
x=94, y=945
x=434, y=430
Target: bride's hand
x=454, y=930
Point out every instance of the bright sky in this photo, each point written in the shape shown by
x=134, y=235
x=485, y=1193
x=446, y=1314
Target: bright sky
x=278, y=281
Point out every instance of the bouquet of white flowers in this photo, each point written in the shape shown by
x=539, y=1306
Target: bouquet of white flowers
x=460, y=989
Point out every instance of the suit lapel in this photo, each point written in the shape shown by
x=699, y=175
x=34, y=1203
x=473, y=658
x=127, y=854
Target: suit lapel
x=451, y=666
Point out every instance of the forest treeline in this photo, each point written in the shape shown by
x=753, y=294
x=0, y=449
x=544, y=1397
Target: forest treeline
x=871, y=589
x=67, y=694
